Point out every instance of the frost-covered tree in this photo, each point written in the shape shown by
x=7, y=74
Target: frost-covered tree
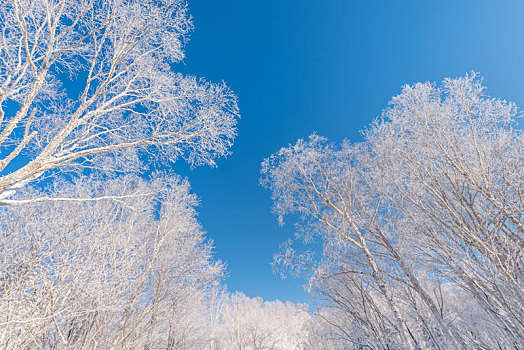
x=90, y=84
x=427, y=208
x=450, y=161
x=245, y=323
x=89, y=98
x=108, y=274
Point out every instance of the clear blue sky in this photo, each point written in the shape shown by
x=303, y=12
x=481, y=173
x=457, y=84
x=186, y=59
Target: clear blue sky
x=300, y=66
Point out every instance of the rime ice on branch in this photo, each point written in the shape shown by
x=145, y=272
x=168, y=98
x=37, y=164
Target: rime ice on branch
x=90, y=84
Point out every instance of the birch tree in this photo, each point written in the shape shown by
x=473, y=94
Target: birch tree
x=89, y=98
x=431, y=197
x=454, y=169
x=91, y=84
x=129, y=273
x=322, y=184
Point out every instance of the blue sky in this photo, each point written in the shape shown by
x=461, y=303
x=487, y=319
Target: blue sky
x=328, y=66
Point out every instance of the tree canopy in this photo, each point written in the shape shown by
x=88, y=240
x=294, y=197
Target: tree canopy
x=427, y=209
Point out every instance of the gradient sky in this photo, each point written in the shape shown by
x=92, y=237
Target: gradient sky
x=330, y=66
